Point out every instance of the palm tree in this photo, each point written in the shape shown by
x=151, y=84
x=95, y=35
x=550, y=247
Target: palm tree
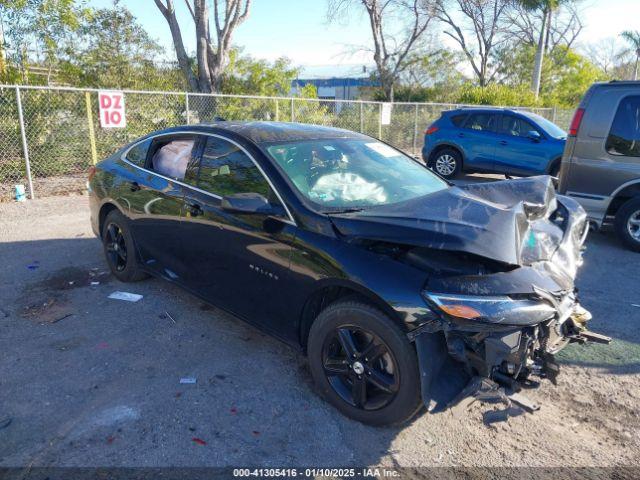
x=633, y=38
x=547, y=7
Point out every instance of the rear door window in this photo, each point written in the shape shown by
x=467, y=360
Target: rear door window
x=624, y=136
x=171, y=155
x=481, y=122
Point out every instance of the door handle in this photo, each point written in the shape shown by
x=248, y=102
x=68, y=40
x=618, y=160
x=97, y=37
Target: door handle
x=195, y=209
x=503, y=142
x=461, y=135
x=134, y=186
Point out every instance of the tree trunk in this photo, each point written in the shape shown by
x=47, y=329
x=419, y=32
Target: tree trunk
x=635, y=70
x=537, y=67
x=181, y=54
x=202, y=43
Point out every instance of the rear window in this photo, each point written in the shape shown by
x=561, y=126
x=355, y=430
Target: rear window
x=624, y=137
x=138, y=153
x=480, y=121
x=458, y=120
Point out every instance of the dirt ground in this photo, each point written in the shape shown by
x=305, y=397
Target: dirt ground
x=90, y=381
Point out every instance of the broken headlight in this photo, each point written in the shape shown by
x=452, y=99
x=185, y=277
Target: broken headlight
x=502, y=310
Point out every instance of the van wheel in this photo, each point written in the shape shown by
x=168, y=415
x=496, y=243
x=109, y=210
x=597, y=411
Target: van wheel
x=119, y=248
x=447, y=163
x=364, y=365
x=627, y=224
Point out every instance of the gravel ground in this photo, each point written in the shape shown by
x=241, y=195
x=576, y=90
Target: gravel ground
x=101, y=386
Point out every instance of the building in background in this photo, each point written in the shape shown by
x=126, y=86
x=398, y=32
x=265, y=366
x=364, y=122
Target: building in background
x=345, y=88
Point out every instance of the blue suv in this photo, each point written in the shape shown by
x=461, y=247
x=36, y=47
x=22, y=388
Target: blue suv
x=494, y=140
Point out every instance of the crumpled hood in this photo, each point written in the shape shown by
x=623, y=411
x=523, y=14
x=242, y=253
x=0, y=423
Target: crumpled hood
x=506, y=221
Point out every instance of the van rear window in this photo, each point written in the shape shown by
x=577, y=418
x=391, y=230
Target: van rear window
x=624, y=137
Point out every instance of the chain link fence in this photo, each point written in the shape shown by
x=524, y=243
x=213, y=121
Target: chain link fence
x=48, y=135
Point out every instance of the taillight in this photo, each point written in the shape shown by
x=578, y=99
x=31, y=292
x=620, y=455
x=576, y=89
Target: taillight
x=431, y=129
x=575, y=123
x=92, y=172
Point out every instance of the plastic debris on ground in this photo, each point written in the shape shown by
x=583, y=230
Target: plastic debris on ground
x=129, y=297
x=199, y=441
x=188, y=380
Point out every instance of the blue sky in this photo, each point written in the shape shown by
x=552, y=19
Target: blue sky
x=297, y=29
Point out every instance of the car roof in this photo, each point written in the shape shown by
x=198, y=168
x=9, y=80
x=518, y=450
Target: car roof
x=481, y=108
x=270, y=132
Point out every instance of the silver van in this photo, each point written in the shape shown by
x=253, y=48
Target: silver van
x=601, y=160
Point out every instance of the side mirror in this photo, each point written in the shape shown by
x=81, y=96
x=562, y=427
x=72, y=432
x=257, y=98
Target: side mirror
x=247, y=203
x=534, y=135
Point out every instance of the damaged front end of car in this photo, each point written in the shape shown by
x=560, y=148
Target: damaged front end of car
x=505, y=328
x=501, y=260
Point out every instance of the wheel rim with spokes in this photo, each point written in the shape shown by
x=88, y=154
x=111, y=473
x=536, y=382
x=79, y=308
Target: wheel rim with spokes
x=445, y=165
x=360, y=368
x=633, y=225
x=116, y=247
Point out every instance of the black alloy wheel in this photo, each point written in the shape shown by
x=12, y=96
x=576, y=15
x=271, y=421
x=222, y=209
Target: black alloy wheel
x=119, y=248
x=363, y=363
x=360, y=368
x=116, y=247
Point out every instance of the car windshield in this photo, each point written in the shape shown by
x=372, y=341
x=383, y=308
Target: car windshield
x=551, y=128
x=338, y=174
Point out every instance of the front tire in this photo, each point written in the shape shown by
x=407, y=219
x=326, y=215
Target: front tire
x=364, y=365
x=119, y=248
x=627, y=224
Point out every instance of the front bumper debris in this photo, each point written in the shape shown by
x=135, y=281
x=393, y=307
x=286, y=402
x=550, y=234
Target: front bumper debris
x=494, y=366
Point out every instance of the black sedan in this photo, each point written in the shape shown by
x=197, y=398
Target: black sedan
x=400, y=287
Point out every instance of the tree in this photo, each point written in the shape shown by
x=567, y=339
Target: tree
x=34, y=30
x=111, y=49
x=211, y=58
x=246, y=75
x=483, y=21
x=392, y=51
x=607, y=54
x=432, y=77
x=567, y=74
x=633, y=39
x=546, y=7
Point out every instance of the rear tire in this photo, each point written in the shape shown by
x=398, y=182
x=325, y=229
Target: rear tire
x=119, y=248
x=447, y=163
x=379, y=383
x=627, y=224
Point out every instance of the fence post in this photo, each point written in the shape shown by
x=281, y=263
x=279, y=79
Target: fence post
x=92, y=133
x=554, y=114
x=415, y=131
x=277, y=110
x=361, y=118
x=380, y=121
x=25, y=148
x=293, y=117
x=186, y=106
